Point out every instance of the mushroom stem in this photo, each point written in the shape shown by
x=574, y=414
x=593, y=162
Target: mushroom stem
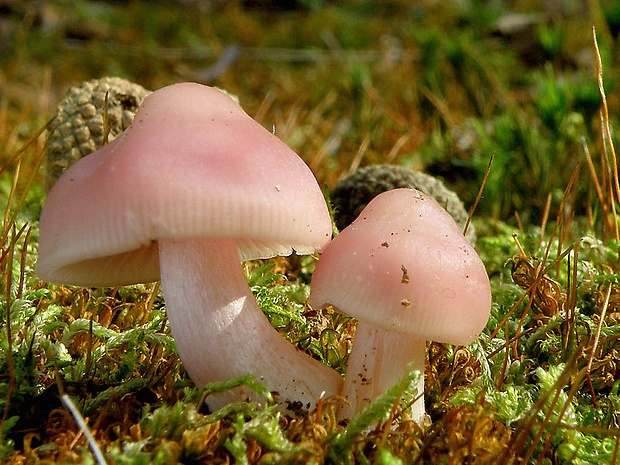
x=221, y=333
x=376, y=363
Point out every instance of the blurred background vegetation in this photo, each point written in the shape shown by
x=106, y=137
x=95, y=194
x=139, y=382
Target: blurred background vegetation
x=434, y=85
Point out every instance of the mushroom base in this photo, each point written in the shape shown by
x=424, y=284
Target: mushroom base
x=378, y=360
x=221, y=333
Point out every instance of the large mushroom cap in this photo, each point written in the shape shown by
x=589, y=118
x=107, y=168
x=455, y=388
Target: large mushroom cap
x=404, y=265
x=192, y=164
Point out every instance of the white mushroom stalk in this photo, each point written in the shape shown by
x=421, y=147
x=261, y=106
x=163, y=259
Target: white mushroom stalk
x=376, y=364
x=217, y=323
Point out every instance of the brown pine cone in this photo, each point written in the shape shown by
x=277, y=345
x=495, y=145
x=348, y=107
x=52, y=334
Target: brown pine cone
x=352, y=194
x=78, y=124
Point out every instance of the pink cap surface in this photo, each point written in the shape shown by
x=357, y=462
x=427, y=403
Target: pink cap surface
x=404, y=265
x=192, y=164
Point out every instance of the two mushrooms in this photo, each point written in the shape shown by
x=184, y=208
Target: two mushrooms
x=195, y=185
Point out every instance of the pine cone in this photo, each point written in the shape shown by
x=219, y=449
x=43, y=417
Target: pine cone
x=78, y=124
x=352, y=194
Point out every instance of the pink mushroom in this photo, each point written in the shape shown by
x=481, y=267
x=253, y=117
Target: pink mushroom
x=190, y=188
x=404, y=269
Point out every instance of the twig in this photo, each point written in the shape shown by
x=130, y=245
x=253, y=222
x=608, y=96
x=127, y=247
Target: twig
x=79, y=419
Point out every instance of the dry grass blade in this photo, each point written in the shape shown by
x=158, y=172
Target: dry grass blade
x=12, y=205
x=545, y=218
x=22, y=262
x=598, y=188
x=560, y=216
x=20, y=152
x=541, y=270
x=607, y=126
x=8, y=273
x=479, y=196
x=359, y=156
x=597, y=336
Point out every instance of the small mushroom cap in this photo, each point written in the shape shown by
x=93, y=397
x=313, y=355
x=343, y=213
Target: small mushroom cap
x=352, y=194
x=192, y=164
x=404, y=265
